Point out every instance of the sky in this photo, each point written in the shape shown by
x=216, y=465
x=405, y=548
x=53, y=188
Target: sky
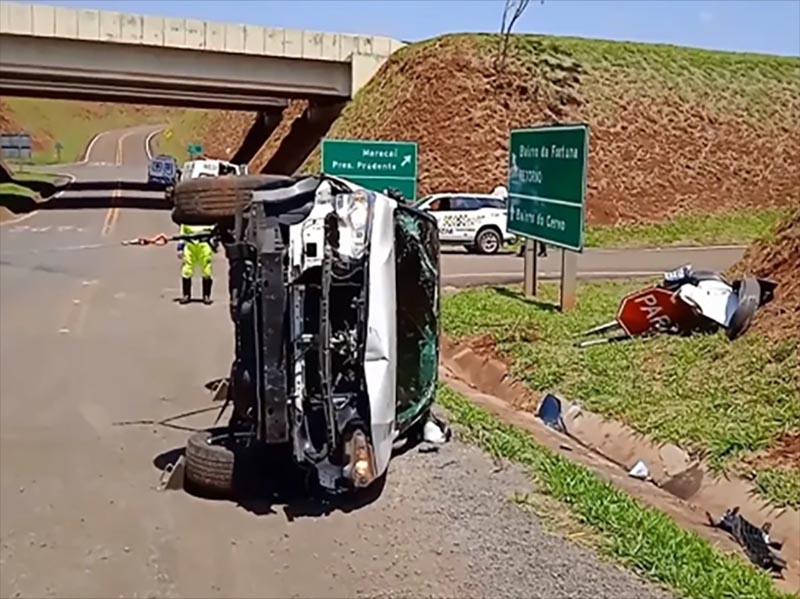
x=763, y=26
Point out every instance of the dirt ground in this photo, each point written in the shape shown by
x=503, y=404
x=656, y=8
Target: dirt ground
x=778, y=259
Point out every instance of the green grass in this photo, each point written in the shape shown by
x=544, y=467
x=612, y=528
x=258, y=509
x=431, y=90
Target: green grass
x=730, y=228
x=20, y=174
x=74, y=124
x=757, y=87
x=706, y=229
x=14, y=189
x=781, y=484
x=24, y=175
x=183, y=132
x=642, y=538
x=716, y=398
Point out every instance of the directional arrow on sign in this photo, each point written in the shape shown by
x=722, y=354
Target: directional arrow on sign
x=406, y=160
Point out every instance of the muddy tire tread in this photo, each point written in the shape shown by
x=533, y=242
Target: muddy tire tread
x=209, y=468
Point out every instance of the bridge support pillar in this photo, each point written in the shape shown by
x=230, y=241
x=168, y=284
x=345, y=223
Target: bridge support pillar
x=305, y=134
x=265, y=123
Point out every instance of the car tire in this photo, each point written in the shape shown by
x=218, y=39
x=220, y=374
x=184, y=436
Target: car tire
x=209, y=464
x=749, y=296
x=213, y=200
x=488, y=241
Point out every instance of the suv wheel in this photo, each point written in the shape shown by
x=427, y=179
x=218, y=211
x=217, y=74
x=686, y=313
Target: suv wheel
x=488, y=241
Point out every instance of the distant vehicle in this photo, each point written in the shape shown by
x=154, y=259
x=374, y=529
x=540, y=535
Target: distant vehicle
x=163, y=169
x=210, y=168
x=476, y=221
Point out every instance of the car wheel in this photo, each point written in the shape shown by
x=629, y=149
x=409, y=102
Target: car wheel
x=749, y=296
x=211, y=200
x=210, y=462
x=488, y=241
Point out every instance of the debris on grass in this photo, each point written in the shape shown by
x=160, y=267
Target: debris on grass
x=638, y=536
x=687, y=302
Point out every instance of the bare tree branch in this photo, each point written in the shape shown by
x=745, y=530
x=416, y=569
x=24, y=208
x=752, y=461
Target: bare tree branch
x=512, y=11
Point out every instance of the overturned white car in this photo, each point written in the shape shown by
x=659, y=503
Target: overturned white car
x=330, y=364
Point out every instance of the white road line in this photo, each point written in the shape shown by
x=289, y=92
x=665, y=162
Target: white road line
x=88, y=152
x=147, y=141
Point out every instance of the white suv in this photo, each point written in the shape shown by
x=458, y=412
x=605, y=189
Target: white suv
x=476, y=221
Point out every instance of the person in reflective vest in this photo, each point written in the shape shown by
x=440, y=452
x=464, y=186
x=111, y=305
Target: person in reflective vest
x=194, y=254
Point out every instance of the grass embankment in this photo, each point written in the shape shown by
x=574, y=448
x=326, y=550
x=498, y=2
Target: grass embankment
x=724, y=400
x=642, y=538
x=727, y=228
x=219, y=132
x=22, y=175
x=730, y=228
x=674, y=131
x=182, y=132
x=73, y=124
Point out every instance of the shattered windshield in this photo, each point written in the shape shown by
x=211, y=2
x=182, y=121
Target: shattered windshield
x=417, y=275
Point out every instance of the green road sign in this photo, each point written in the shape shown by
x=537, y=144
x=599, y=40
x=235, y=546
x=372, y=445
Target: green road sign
x=194, y=149
x=547, y=184
x=376, y=165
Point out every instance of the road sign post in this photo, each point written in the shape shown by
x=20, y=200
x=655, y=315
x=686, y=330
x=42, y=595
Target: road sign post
x=547, y=193
x=375, y=165
x=530, y=264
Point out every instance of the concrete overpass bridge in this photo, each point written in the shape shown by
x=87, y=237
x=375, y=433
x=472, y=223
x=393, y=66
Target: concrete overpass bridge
x=84, y=54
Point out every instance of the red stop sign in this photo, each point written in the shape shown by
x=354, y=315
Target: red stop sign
x=652, y=309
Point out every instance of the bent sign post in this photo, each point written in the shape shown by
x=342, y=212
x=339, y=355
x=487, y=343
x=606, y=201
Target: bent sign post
x=375, y=165
x=547, y=193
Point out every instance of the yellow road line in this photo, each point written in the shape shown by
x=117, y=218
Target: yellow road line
x=112, y=216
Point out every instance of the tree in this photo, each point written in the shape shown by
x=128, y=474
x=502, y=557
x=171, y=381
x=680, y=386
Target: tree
x=512, y=11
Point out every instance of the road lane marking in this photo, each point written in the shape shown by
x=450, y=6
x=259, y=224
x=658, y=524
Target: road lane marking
x=147, y=141
x=88, y=152
x=83, y=308
x=112, y=216
x=76, y=313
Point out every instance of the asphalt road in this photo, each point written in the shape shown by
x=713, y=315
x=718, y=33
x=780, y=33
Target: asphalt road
x=93, y=338
x=461, y=269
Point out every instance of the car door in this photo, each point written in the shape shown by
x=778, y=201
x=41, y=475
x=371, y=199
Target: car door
x=493, y=211
x=439, y=208
x=462, y=219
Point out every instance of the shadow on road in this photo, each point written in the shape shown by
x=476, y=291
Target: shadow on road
x=20, y=204
x=267, y=481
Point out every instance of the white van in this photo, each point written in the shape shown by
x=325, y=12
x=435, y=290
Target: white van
x=210, y=168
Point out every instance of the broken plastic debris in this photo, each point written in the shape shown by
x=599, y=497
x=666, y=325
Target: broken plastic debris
x=640, y=471
x=550, y=413
x=755, y=541
x=687, y=301
x=433, y=433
